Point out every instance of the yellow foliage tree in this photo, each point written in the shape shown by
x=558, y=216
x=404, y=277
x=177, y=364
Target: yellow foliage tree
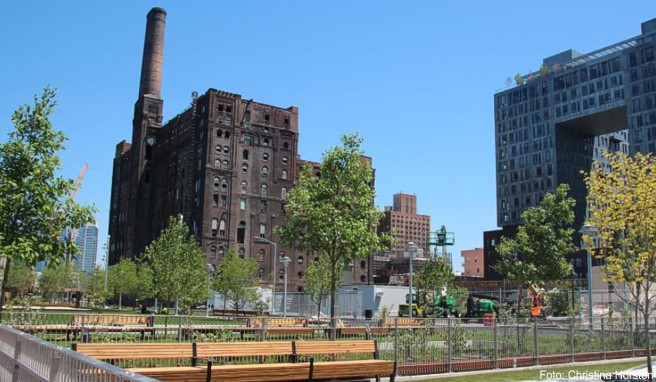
x=622, y=209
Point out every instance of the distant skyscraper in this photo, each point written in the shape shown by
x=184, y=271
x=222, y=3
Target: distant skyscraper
x=86, y=239
x=405, y=225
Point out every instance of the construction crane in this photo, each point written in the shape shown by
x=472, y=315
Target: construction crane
x=78, y=182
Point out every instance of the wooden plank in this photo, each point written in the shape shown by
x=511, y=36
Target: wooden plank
x=306, y=348
x=243, y=349
x=118, y=351
x=261, y=372
x=353, y=369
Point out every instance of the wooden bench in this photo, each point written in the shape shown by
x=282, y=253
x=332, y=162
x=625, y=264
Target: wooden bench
x=109, y=352
x=404, y=322
x=110, y=323
x=217, y=352
x=346, y=369
x=257, y=322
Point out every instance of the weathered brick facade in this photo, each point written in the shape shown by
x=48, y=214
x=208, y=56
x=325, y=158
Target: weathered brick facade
x=226, y=164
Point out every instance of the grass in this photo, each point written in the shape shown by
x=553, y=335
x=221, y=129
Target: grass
x=534, y=374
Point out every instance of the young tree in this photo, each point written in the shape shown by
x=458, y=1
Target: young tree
x=55, y=278
x=178, y=266
x=435, y=277
x=317, y=282
x=334, y=215
x=21, y=279
x=123, y=279
x=237, y=280
x=35, y=205
x=94, y=288
x=621, y=203
x=537, y=253
x=144, y=287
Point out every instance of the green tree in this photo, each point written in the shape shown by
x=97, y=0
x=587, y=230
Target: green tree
x=333, y=215
x=55, y=278
x=123, y=280
x=94, y=288
x=621, y=202
x=21, y=279
x=317, y=282
x=178, y=266
x=436, y=276
x=35, y=206
x=237, y=280
x=144, y=289
x=537, y=252
x=519, y=79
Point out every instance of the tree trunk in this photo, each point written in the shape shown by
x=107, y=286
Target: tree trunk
x=120, y=300
x=333, y=292
x=5, y=277
x=646, y=332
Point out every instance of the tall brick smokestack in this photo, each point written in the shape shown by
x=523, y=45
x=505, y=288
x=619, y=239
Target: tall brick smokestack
x=153, y=54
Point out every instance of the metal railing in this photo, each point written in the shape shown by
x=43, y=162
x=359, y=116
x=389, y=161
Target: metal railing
x=431, y=345
x=25, y=358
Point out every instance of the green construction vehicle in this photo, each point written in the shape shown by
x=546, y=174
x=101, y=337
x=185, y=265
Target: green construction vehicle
x=443, y=306
x=477, y=308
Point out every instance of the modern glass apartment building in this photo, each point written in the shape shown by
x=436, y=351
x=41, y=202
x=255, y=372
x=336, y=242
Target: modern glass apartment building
x=554, y=123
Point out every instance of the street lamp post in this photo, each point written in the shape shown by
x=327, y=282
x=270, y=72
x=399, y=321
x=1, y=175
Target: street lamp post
x=210, y=271
x=411, y=248
x=106, y=260
x=589, y=231
x=285, y=262
x=274, y=276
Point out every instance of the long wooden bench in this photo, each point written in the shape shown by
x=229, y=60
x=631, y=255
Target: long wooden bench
x=110, y=323
x=257, y=322
x=404, y=322
x=344, y=369
x=291, y=360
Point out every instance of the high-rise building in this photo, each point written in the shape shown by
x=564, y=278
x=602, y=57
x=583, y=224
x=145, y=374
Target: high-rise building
x=225, y=164
x=560, y=119
x=86, y=239
x=404, y=224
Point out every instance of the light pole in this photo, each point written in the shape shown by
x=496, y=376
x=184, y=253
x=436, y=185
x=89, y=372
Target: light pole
x=210, y=272
x=106, y=260
x=411, y=248
x=273, y=261
x=589, y=231
x=285, y=262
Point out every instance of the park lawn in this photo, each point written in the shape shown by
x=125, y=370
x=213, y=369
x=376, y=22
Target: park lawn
x=534, y=374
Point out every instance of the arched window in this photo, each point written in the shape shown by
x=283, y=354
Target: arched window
x=227, y=134
x=244, y=167
x=285, y=160
x=265, y=142
x=265, y=171
x=284, y=174
x=244, y=154
x=226, y=149
x=262, y=230
x=264, y=189
x=217, y=163
x=218, y=149
x=363, y=278
x=226, y=165
x=215, y=183
x=215, y=226
x=222, y=228
x=213, y=252
x=219, y=133
x=299, y=274
x=283, y=193
x=300, y=260
x=224, y=183
x=363, y=264
x=260, y=273
x=221, y=252
x=285, y=145
x=260, y=255
x=244, y=186
x=265, y=157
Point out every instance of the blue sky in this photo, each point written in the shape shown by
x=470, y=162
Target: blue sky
x=415, y=79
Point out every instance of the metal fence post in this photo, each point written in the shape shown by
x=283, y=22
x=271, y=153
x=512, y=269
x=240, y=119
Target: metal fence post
x=535, y=341
x=571, y=338
x=603, y=339
x=263, y=327
x=496, y=345
x=448, y=346
x=396, y=343
x=632, y=337
x=17, y=353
